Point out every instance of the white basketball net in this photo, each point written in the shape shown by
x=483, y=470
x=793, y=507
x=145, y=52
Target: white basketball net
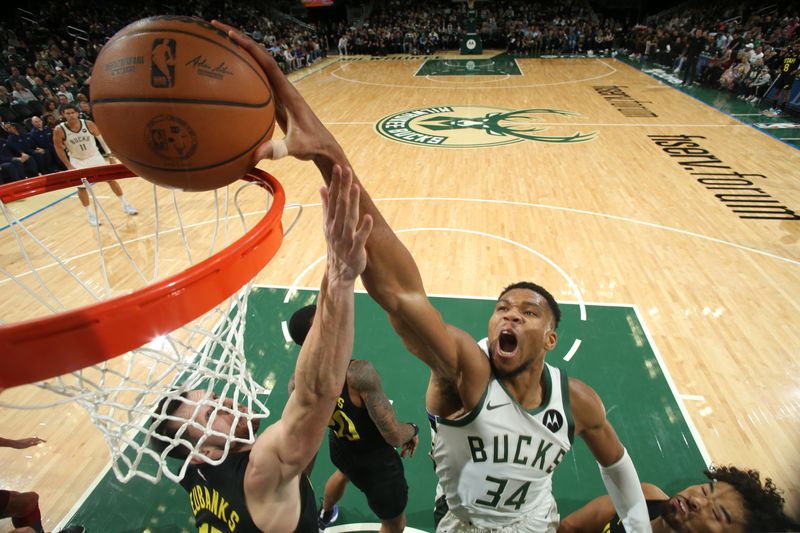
x=121, y=255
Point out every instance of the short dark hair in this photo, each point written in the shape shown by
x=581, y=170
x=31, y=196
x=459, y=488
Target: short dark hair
x=539, y=290
x=168, y=428
x=71, y=106
x=763, y=503
x=300, y=323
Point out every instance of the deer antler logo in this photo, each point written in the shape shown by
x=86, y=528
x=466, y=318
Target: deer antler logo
x=464, y=126
x=521, y=123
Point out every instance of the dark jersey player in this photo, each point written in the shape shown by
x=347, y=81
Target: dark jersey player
x=788, y=69
x=731, y=501
x=263, y=486
x=363, y=435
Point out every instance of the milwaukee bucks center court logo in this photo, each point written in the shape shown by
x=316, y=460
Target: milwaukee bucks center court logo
x=470, y=126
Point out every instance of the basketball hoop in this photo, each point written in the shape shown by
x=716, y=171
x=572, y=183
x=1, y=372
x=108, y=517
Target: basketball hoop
x=123, y=346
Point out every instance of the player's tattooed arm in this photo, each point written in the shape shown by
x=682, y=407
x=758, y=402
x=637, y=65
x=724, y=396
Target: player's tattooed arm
x=362, y=376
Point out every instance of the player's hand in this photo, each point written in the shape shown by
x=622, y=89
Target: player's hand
x=410, y=447
x=21, y=444
x=306, y=137
x=347, y=253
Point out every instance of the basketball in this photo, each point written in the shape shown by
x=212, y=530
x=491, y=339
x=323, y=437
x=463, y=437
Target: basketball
x=180, y=104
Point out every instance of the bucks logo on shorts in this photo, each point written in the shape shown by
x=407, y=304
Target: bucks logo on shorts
x=468, y=126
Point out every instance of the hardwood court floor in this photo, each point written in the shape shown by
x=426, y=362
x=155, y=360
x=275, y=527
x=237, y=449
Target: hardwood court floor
x=617, y=218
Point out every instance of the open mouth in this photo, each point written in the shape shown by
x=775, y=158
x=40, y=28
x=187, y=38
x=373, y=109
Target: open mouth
x=507, y=344
x=681, y=507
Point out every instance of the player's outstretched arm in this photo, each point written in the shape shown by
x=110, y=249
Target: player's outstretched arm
x=616, y=468
x=361, y=376
x=282, y=452
x=391, y=277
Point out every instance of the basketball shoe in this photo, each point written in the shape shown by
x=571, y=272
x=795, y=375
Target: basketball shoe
x=327, y=518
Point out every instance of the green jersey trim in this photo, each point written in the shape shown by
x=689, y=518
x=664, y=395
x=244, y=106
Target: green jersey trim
x=567, y=409
x=547, y=391
x=469, y=417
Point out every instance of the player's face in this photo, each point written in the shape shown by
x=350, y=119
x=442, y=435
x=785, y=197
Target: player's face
x=520, y=329
x=222, y=422
x=71, y=115
x=708, y=508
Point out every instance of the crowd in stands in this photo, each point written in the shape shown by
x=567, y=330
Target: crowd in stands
x=46, y=56
x=744, y=49
x=741, y=51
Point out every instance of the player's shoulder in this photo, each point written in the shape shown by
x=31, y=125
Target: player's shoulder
x=584, y=400
x=361, y=375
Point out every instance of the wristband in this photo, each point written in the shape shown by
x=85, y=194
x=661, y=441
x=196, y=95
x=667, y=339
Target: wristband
x=279, y=149
x=416, y=429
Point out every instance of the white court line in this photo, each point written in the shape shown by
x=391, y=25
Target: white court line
x=585, y=212
x=459, y=84
x=678, y=398
x=599, y=124
x=576, y=343
x=592, y=213
x=518, y=66
x=612, y=71
x=572, y=350
x=576, y=291
x=693, y=397
x=365, y=526
x=285, y=329
x=789, y=138
x=442, y=295
x=747, y=114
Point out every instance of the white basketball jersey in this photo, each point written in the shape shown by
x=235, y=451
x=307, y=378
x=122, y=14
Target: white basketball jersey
x=496, y=463
x=81, y=144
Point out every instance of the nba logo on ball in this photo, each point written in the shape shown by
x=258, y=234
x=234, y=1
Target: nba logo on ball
x=162, y=67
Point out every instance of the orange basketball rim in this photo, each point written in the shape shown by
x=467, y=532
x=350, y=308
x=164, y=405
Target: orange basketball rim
x=43, y=348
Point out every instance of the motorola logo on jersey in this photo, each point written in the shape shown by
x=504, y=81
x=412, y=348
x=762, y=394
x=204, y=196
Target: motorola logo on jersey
x=474, y=126
x=553, y=420
x=162, y=63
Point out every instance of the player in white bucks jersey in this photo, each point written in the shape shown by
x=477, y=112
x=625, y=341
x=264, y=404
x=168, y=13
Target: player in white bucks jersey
x=522, y=329
x=74, y=141
x=498, y=460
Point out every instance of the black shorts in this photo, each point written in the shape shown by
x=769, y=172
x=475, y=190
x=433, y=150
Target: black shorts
x=379, y=475
x=785, y=81
x=5, y=496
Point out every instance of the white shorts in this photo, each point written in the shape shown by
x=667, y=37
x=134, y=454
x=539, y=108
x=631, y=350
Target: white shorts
x=94, y=161
x=527, y=523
